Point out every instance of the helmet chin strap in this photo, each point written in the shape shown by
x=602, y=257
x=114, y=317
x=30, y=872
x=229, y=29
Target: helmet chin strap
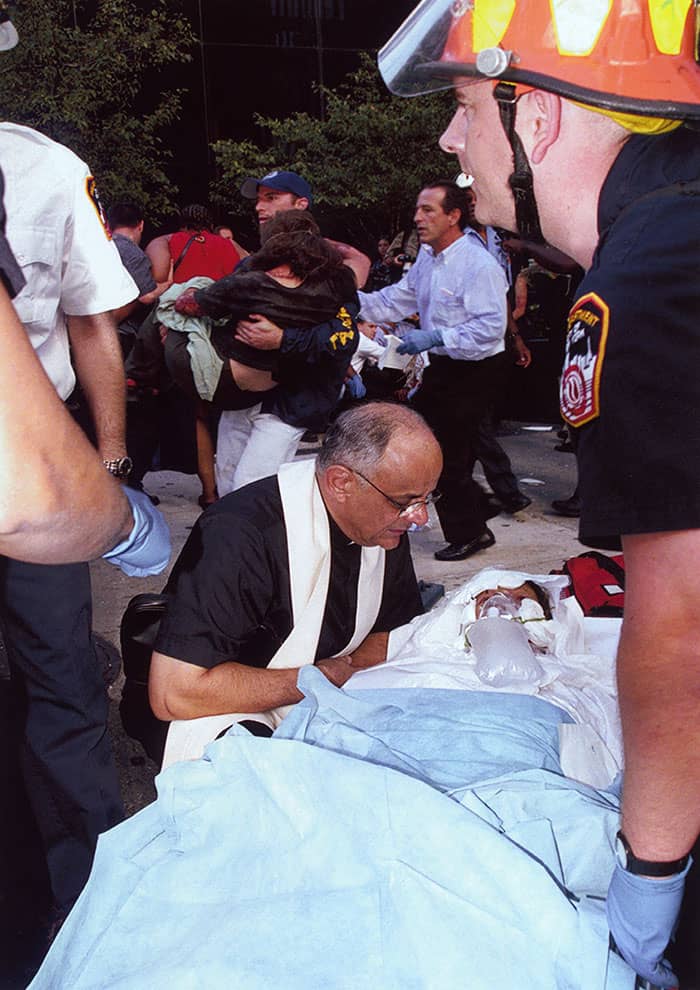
x=526, y=215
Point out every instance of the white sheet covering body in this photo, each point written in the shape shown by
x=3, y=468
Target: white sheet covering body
x=576, y=656
x=388, y=839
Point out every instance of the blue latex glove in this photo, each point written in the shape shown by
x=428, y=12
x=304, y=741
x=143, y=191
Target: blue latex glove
x=416, y=341
x=642, y=914
x=356, y=387
x=146, y=550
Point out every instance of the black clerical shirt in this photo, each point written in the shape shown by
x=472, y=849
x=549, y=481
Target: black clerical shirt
x=229, y=593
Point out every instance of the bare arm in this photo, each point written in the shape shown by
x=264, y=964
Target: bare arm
x=523, y=355
x=522, y=351
x=150, y=297
x=158, y=252
x=241, y=250
x=123, y=312
x=258, y=331
x=371, y=651
x=520, y=291
x=100, y=370
x=659, y=685
x=180, y=690
x=147, y=299
x=356, y=261
x=544, y=254
x=57, y=502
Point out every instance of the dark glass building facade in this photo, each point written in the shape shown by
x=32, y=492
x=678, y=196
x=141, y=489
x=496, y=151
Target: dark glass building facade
x=264, y=56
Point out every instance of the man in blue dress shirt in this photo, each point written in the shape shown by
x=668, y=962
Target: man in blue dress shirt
x=459, y=292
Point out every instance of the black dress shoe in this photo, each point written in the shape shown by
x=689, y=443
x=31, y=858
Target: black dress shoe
x=516, y=503
x=568, y=506
x=565, y=447
x=491, y=507
x=460, y=551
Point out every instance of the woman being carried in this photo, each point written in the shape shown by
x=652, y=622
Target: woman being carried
x=296, y=279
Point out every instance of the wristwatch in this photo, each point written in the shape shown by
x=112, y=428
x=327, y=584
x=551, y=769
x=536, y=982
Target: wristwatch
x=646, y=867
x=120, y=467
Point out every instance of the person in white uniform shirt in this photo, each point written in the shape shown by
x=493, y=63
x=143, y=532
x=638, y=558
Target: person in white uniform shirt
x=74, y=278
x=459, y=292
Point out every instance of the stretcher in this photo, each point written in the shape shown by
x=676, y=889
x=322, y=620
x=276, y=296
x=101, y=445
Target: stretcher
x=419, y=835
x=430, y=652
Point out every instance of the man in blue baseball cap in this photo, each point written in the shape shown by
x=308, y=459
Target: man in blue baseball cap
x=282, y=190
x=278, y=190
x=252, y=443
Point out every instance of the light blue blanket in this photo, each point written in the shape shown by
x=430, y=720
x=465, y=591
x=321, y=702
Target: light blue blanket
x=390, y=840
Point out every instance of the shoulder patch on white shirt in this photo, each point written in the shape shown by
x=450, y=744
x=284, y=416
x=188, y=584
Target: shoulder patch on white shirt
x=93, y=196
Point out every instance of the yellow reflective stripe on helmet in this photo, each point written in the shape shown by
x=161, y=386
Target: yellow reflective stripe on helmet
x=634, y=122
x=578, y=24
x=490, y=20
x=667, y=22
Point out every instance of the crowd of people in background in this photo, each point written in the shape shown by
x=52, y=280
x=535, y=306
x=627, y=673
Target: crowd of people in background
x=231, y=357
x=179, y=359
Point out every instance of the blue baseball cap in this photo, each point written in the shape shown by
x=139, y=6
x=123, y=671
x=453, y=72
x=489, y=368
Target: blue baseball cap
x=283, y=181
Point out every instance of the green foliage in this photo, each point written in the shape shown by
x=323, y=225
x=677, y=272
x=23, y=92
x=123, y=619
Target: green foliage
x=76, y=75
x=366, y=160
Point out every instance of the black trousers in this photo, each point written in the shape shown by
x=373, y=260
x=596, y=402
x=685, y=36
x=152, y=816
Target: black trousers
x=67, y=764
x=494, y=460
x=453, y=397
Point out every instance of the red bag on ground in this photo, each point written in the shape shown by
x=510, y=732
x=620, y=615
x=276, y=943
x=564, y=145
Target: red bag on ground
x=597, y=582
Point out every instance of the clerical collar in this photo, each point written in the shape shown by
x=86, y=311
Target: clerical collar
x=339, y=539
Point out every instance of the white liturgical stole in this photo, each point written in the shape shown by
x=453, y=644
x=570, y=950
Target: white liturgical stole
x=309, y=558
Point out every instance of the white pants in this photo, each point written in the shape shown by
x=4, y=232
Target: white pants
x=252, y=445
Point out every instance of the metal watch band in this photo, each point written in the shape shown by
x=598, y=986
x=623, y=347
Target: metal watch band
x=120, y=467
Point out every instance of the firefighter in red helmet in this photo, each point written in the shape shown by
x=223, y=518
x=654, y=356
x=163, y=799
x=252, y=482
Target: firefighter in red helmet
x=578, y=120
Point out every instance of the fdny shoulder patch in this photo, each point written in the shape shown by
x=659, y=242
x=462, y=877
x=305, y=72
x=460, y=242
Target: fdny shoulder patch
x=587, y=335
x=91, y=190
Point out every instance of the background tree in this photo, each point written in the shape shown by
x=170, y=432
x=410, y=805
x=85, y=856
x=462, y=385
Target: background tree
x=366, y=160
x=78, y=74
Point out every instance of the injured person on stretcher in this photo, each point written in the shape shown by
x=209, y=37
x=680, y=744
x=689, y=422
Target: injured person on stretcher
x=446, y=819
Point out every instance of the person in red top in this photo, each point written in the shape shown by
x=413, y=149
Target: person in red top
x=190, y=252
x=193, y=250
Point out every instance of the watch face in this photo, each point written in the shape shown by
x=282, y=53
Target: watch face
x=120, y=467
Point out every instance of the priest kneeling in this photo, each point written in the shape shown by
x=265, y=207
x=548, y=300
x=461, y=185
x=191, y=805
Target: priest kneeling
x=311, y=565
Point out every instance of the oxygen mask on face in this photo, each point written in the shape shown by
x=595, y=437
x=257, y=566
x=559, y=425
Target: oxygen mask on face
x=500, y=603
x=503, y=654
